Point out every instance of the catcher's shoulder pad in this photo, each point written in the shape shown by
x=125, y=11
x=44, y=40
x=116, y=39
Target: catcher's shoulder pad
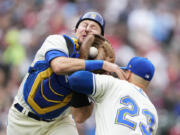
x=70, y=45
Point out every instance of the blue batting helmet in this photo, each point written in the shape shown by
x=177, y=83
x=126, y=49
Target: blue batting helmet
x=94, y=16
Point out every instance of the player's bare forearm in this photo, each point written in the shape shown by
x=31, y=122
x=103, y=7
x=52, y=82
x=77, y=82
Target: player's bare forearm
x=111, y=67
x=81, y=114
x=64, y=65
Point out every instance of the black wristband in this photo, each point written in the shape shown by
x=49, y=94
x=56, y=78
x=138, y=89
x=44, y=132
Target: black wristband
x=79, y=100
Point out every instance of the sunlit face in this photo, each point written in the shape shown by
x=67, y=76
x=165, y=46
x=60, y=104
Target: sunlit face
x=85, y=28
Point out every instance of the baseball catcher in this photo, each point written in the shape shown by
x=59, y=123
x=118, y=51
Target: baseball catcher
x=42, y=104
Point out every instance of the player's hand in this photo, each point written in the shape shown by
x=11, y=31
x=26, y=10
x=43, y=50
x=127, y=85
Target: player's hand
x=121, y=74
x=111, y=67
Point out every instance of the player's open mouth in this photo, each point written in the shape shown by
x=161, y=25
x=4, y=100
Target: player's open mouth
x=84, y=36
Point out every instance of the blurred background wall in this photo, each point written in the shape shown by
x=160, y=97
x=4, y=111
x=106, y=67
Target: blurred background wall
x=149, y=28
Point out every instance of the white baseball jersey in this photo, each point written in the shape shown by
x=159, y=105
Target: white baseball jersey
x=121, y=108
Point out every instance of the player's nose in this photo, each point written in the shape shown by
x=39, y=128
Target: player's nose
x=88, y=28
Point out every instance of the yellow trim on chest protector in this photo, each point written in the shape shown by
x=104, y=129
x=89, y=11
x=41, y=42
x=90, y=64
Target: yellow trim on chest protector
x=52, y=89
x=41, y=76
x=76, y=43
x=49, y=100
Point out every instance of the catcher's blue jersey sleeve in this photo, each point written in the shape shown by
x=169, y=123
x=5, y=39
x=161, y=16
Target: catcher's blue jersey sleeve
x=53, y=54
x=82, y=82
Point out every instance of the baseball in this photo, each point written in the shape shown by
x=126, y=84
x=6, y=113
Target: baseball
x=93, y=52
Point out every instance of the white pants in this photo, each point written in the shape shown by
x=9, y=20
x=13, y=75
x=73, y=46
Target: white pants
x=20, y=124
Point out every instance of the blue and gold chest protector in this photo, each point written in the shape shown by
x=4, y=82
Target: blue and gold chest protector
x=46, y=93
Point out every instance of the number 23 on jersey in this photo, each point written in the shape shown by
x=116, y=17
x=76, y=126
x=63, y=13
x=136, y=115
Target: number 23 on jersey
x=133, y=111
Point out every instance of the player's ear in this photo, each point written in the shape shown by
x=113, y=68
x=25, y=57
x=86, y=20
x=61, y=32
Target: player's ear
x=128, y=74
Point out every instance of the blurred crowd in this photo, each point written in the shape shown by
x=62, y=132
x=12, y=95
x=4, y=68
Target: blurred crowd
x=149, y=28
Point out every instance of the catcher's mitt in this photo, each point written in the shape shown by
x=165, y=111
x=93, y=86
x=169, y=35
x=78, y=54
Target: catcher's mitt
x=105, y=50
